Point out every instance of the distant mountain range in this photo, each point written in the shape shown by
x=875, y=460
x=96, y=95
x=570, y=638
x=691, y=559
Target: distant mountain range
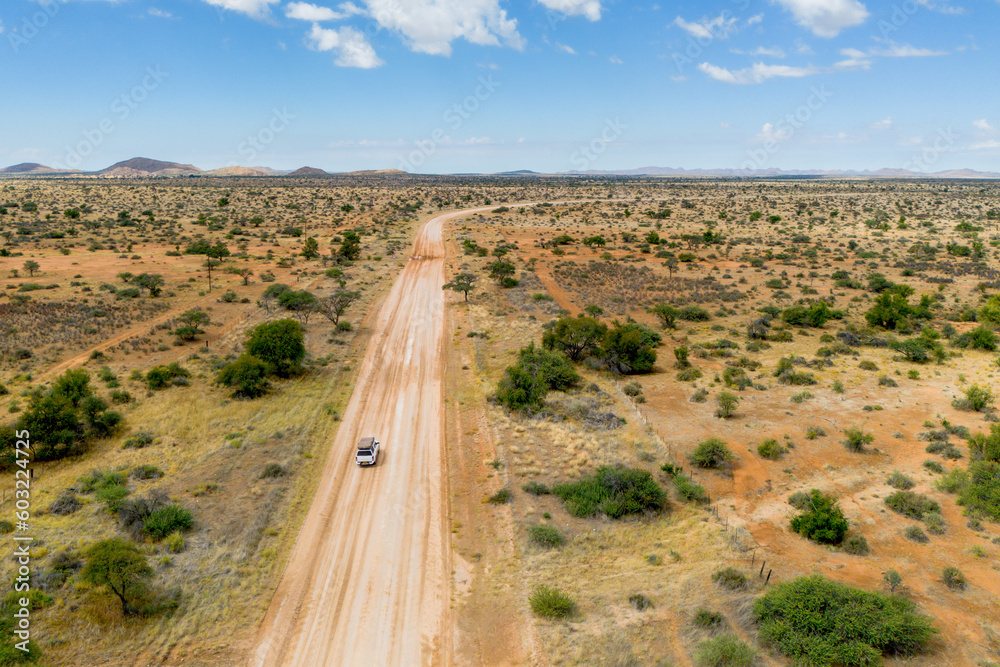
x=141, y=167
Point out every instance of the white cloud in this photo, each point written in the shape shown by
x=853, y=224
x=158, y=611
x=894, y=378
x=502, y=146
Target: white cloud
x=905, y=51
x=756, y=18
x=352, y=49
x=768, y=134
x=565, y=49
x=1, y=27
x=883, y=124
x=430, y=26
x=826, y=18
x=254, y=8
x=477, y=141
x=308, y=12
x=758, y=73
x=774, y=52
x=588, y=8
x=616, y=60
x=720, y=27
x=983, y=124
x=158, y=13
x=803, y=49
x=992, y=143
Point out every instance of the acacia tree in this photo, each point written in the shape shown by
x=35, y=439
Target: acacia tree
x=245, y=274
x=31, y=266
x=279, y=344
x=666, y=313
x=151, y=281
x=192, y=321
x=503, y=273
x=214, y=256
x=463, y=282
x=121, y=567
x=333, y=306
x=576, y=337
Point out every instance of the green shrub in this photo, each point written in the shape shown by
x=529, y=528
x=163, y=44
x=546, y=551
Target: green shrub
x=725, y=651
x=933, y=466
x=817, y=621
x=770, y=449
x=912, y=505
x=166, y=520
x=551, y=603
x=710, y=620
x=821, y=520
x=537, y=371
x=161, y=377
x=138, y=441
x=689, y=491
x=867, y=365
x=898, y=480
x=935, y=523
x=914, y=534
x=688, y=374
x=279, y=344
x=856, y=545
x=614, y=492
x=730, y=578
x=727, y=403
x=501, y=497
x=982, y=493
x=247, y=374
x=175, y=542
x=976, y=398
x=983, y=446
x=536, y=488
x=814, y=432
x=66, y=503
x=953, y=578
x=711, y=453
x=640, y=602
x=953, y=482
x=855, y=439
x=545, y=536
x=273, y=470
x=146, y=471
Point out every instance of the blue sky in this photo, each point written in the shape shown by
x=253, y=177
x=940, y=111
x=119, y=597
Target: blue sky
x=442, y=86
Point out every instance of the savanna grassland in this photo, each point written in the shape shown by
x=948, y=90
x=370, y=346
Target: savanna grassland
x=721, y=348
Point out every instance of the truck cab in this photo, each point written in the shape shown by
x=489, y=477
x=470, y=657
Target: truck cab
x=367, y=453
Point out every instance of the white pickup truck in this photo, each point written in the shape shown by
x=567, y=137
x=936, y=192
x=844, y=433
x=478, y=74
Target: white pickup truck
x=367, y=453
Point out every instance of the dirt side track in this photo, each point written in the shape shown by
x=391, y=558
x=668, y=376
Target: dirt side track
x=368, y=581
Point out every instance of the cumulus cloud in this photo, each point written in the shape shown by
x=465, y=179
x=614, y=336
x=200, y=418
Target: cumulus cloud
x=351, y=47
x=254, y=8
x=983, y=125
x=774, y=52
x=308, y=12
x=826, y=18
x=588, y=8
x=883, y=124
x=894, y=50
x=615, y=60
x=758, y=73
x=158, y=13
x=430, y=26
x=769, y=134
x=720, y=27
x=566, y=49
x=992, y=143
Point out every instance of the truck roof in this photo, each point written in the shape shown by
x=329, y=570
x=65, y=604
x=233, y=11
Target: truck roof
x=366, y=443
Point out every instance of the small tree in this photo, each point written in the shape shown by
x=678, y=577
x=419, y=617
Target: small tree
x=503, y=273
x=302, y=303
x=333, y=306
x=463, y=282
x=666, y=313
x=310, y=249
x=855, y=439
x=630, y=348
x=121, y=567
x=350, y=246
x=278, y=344
x=150, y=281
x=245, y=274
x=31, y=266
x=727, y=402
x=247, y=374
x=892, y=579
x=576, y=337
x=191, y=323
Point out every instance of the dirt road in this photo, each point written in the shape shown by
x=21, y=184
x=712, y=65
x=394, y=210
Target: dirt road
x=368, y=580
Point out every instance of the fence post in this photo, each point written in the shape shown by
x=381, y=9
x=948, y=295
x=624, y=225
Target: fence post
x=768, y=577
x=762, y=564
